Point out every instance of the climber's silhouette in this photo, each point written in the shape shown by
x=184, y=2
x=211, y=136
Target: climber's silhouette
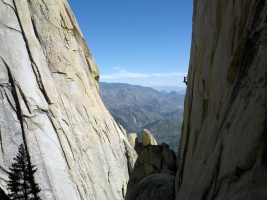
x=185, y=80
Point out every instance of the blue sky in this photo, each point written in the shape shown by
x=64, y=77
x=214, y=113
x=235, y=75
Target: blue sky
x=141, y=42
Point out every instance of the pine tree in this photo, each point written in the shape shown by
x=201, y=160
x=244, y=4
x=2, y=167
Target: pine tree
x=21, y=182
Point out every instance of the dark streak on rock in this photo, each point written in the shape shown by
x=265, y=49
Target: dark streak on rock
x=13, y=91
x=264, y=154
x=12, y=28
x=251, y=49
x=186, y=139
x=108, y=176
x=8, y=5
x=55, y=129
x=79, y=192
x=40, y=84
x=127, y=158
x=215, y=181
x=9, y=101
x=35, y=30
x=19, y=114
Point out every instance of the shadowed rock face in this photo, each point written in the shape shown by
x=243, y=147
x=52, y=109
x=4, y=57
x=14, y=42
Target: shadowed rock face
x=157, y=160
x=132, y=138
x=49, y=100
x=155, y=186
x=3, y=195
x=224, y=143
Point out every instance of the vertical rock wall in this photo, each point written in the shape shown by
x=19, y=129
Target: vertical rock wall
x=223, y=152
x=49, y=100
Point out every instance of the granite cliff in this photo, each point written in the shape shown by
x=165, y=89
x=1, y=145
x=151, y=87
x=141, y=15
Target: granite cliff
x=223, y=152
x=49, y=101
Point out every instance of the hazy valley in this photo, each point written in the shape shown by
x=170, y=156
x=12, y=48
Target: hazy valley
x=136, y=107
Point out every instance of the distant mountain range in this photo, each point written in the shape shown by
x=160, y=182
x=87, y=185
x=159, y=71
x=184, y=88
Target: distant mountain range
x=136, y=107
x=179, y=90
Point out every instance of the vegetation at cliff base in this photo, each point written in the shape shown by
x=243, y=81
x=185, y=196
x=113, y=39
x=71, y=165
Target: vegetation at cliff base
x=21, y=182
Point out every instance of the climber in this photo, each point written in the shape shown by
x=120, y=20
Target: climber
x=185, y=80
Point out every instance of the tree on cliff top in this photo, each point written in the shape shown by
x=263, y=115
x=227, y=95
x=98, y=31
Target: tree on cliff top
x=21, y=182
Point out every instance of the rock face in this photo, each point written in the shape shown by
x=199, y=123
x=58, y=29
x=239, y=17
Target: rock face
x=155, y=186
x=223, y=152
x=148, y=138
x=49, y=100
x=152, y=159
x=132, y=138
x=3, y=195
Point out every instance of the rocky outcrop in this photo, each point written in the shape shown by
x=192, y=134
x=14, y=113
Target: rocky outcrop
x=148, y=138
x=152, y=159
x=3, y=195
x=132, y=138
x=49, y=100
x=122, y=130
x=155, y=186
x=223, y=152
